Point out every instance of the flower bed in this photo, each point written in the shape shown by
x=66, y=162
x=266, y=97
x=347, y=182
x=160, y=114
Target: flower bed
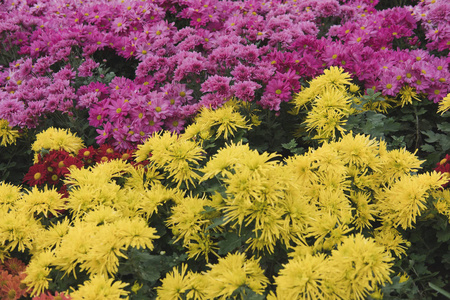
x=210, y=149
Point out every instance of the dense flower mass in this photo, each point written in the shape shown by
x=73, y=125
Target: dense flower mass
x=221, y=149
x=254, y=51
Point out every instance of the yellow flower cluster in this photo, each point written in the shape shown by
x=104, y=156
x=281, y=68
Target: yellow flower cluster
x=7, y=134
x=330, y=100
x=338, y=210
x=222, y=122
x=57, y=139
x=222, y=281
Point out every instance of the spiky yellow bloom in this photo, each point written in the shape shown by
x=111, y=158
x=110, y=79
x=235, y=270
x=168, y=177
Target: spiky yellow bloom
x=99, y=174
x=365, y=211
x=7, y=134
x=359, y=150
x=46, y=201
x=175, y=285
x=442, y=202
x=201, y=244
x=102, y=215
x=407, y=95
x=38, y=271
x=391, y=240
x=9, y=194
x=100, y=287
x=232, y=273
x=223, y=121
x=396, y=163
x=158, y=195
x=52, y=236
x=303, y=277
x=334, y=78
x=360, y=267
x=135, y=233
x=143, y=177
x=444, y=104
x=329, y=113
x=176, y=155
x=57, y=139
x=103, y=254
x=17, y=230
x=188, y=218
x=85, y=198
x=407, y=198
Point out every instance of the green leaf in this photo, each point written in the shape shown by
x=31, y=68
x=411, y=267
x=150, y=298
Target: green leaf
x=427, y=148
x=291, y=145
x=232, y=241
x=439, y=290
x=443, y=235
x=216, y=222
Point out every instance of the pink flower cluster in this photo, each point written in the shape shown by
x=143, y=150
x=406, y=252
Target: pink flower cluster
x=194, y=53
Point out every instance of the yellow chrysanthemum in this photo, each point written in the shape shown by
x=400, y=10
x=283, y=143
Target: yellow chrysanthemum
x=175, y=285
x=303, y=277
x=365, y=211
x=7, y=134
x=100, y=287
x=391, y=240
x=442, y=202
x=223, y=121
x=188, y=217
x=360, y=267
x=359, y=150
x=444, y=104
x=176, y=155
x=52, y=236
x=57, y=139
x=232, y=273
x=9, y=194
x=38, y=272
x=46, y=201
x=406, y=199
x=407, y=95
x=17, y=230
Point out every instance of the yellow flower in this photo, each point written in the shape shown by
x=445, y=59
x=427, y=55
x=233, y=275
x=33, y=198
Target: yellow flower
x=53, y=236
x=303, y=278
x=365, y=211
x=9, y=194
x=176, y=155
x=188, y=217
x=100, y=287
x=7, y=134
x=360, y=267
x=201, y=244
x=396, y=163
x=359, y=150
x=232, y=273
x=328, y=114
x=105, y=248
x=223, y=121
x=38, y=272
x=99, y=174
x=442, y=202
x=444, y=104
x=407, y=94
x=17, y=230
x=175, y=284
x=46, y=201
x=406, y=199
x=391, y=240
x=57, y=139
x=135, y=233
